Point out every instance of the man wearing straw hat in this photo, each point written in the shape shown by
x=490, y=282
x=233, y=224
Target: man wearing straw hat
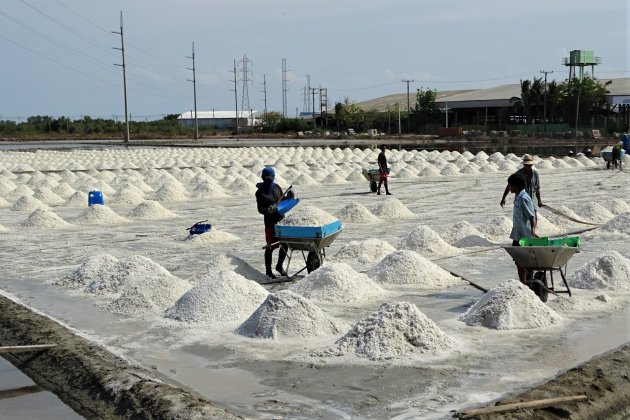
x=532, y=181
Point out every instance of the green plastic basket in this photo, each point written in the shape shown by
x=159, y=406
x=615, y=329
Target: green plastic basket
x=573, y=241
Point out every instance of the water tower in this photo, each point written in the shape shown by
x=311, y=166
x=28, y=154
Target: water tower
x=578, y=59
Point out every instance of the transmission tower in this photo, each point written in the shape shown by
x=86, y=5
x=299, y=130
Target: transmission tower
x=323, y=105
x=284, y=87
x=307, y=89
x=246, y=78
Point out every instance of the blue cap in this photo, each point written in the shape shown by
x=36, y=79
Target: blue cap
x=268, y=172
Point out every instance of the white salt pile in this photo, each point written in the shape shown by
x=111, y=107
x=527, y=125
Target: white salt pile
x=170, y=192
x=44, y=218
x=577, y=304
x=427, y=242
x=594, y=213
x=408, y=268
x=99, y=214
x=497, y=228
x=3, y=229
x=221, y=297
x=395, y=331
x=334, y=178
x=149, y=294
x=611, y=271
x=472, y=241
x=459, y=231
x=616, y=206
x=618, y=224
x=337, y=283
x=46, y=196
x=228, y=262
x=127, y=196
x=94, y=268
x=364, y=252
x=150, y=210
x=213, y=236
x=242, y=186
x=79, y=198
x=510, y=306
x=27, y=203
x=356, y=213
x=307, y=216
x=544, y=227
x=110, y=275
x=391, y=208
x=286, y=314
x=429, y=171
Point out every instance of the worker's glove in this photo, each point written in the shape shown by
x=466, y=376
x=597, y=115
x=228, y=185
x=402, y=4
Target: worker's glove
x=273, y=208
x=290, y=194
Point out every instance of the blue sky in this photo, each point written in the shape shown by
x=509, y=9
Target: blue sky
x=57, y=55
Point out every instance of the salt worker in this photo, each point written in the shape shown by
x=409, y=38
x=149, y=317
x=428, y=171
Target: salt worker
x=268, y=196
x=382, y=170
x=523, y=218
x=532, y=181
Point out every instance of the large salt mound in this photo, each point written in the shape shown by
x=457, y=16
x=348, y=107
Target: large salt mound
x=79, y=198
x=617, y=206
x=594, y=213
x=618, y=224
x=411, y=269
x=44, y=218
x=46, y=196
x=429, y=171
x=337, y=283
x=127, y=196
x=391, y=208
x=287, y=314
x=544, y=227
x=94, y=268
x=473, y=241
x=98, y=214
x=395, y=331
x=221, y=297
x=228, y=262
x=427, y=242
x=356, y=213
x=152, y=292
x=28, y=203
x=610, y=271
x=242, y=186
x=109, y=275
x=334, y=178
x=459, y=231
x=307, y=216
x=213, y=236
x=150, y=210
x=510, y=306
x=497, y=227
x=363, y=252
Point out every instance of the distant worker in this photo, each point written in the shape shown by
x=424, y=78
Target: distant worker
x=268, y=196
x=532, y=181
x=523, y=217
x=382, y=170
x=625, y=141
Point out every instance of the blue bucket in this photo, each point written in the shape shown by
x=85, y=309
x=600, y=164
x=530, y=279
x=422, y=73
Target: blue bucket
x=95, y=197
x=199, y=228
x=286, y=205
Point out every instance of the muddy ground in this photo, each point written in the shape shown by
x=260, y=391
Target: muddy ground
x=98, y=384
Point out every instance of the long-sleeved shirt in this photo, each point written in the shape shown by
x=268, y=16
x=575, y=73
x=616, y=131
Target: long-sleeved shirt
x=522, y=216
x=266, y=199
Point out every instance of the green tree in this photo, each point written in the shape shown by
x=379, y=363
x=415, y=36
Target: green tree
x=585, y=97
x=349, y=114
x=425, y=107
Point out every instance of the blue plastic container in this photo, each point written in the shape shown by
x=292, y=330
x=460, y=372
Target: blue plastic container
x=314, y=232
x=199, y=228
x=95, y=197
x=285, y=205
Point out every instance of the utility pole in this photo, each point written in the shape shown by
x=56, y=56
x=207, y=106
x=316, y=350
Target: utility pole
x=194, y=82
x=122, y=50
x=265, y=99
x=284, y=87
x=398, y=105
x=235, y=99
x=313, y=90
x=408, y=106
x=545, y=99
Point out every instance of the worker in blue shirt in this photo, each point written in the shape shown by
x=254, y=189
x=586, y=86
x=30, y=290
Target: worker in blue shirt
x=523, y=217
x=625, y=141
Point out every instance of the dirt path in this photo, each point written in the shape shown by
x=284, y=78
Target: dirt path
x=90, y=379
x=604, y=380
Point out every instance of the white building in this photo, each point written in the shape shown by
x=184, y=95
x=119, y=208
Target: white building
x=218, y=119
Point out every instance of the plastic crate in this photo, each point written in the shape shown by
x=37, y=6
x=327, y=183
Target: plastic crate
x=314, y=232
x=544, y=241
x=573, y=241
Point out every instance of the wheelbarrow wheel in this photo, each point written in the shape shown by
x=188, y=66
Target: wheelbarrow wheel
x=373, y=186
x=539, y=286
x=312, y=261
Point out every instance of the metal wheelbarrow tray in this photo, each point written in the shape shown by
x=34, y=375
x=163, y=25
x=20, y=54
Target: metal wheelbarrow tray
x=310, y=239
x=543, y=259
x=373, y=176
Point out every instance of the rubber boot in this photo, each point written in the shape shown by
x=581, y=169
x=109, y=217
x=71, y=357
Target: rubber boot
x=281, y=256
x=268, y=255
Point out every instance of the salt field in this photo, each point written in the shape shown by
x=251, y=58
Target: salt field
x=385, y=328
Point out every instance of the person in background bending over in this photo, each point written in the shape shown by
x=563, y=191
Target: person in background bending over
x=268, y=195
x=523, y=217
x=532, y=181
x=382, y=169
